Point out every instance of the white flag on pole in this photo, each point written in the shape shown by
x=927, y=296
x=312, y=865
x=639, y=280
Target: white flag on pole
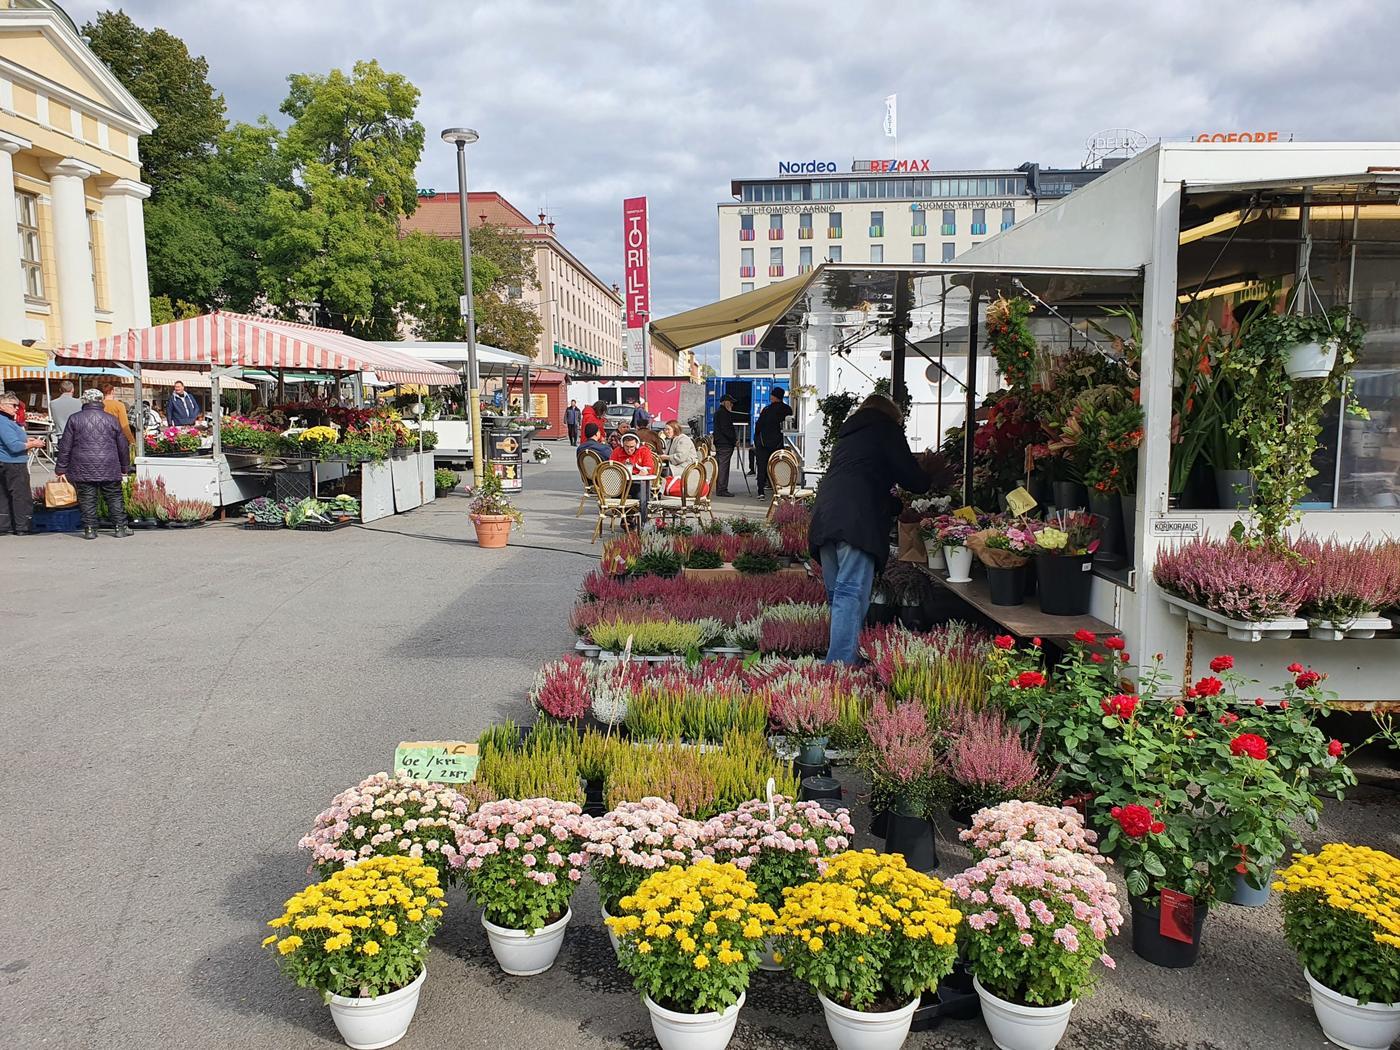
x=891, y=120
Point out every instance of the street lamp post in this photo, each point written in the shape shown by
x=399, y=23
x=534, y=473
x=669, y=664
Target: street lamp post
x=460, y=137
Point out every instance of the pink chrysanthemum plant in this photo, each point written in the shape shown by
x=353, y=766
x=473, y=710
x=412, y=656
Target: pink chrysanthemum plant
x=1036, y=923
x=523, y=860
x=386, y=816
x=777, y=847
x=628, y=843
x=997, y=829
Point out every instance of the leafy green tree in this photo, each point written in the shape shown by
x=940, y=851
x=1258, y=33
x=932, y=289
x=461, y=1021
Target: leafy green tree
x=158, y=69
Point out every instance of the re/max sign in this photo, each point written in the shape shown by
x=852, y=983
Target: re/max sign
x=891, y=165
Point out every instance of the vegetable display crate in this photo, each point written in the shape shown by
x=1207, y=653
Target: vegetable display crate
x=264, y=526
x=316, y=526
x=66, y=519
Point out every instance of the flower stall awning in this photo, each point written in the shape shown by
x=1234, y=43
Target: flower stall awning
x=16, y=355
x=738, y=313
x=241, y=340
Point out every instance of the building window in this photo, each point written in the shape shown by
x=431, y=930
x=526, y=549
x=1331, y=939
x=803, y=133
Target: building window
x=950, y=223
x=919, y=253
x=743, y=361
x=979, y=222
x=745, y=262
x=804, y=226
x=1008, y=218
x=745, y=227
x=775, y=226
x=834, y=253
x=833, y=225
x=877, y=224
x=804, y=259
x=919, y=228
x=949, y=250
x=877, y=253
x=747, y=286
x=27, y=208
x=775, y=262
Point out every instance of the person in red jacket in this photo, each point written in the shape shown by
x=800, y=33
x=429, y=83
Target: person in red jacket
x=592, y=414
x=631, y=452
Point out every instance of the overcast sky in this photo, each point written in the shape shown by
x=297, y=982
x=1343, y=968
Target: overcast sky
x=582, y=104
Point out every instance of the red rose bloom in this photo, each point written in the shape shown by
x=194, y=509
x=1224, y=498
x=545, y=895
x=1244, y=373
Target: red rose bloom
x=1028, y=680
x=1258, y=701
x=1229, y=718
x=1251, y=744
x=1179, y=711
x=1035, y=642
x=1087, y=637
x=1283, y=705
x=1157, y=827
x=1222, y=663
x=1136, y=821
x=1334, y=748
x=1209, y=686
x=1121, y=704
x=1242, y=868
x=1294, y=668
x=1307, y=679
x=1004, y=641
x=1124, y=656
x=1096, y=657
x=1116, y=644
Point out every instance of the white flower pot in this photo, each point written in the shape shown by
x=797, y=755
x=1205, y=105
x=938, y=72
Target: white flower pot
x=769, y=963
x=612, y=937
x=523, y=953
x=379, y=1020
x=1349, y=1024
x=959, y=564
x=1016, y=1027
x=859, y=1030
x=1311, y=360
x=707, y=1031
x=935, y=559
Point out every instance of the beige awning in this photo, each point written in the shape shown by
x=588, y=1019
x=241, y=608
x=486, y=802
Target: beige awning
x=740, y=313
x=193, y=380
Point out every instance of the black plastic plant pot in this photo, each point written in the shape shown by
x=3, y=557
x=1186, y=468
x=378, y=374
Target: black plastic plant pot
x=593, y=803
x=880, y=613
x=1069, y=495
x=880, y=823
x=1064, y=582
x=833, y=805
x=815, y=788
x=913, y=837
x=929, y=1013
x=1149, y=943
x=957, y=998
x=1109, y=510
x=802, y=771
x=1007, y=586
x=913, y=618
x=961, y=813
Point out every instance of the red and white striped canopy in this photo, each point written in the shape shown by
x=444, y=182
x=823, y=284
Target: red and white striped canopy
x=230, y=339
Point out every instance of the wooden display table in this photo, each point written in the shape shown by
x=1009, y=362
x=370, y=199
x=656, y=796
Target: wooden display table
x=1024, y=621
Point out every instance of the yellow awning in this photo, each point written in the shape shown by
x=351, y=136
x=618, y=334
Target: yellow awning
x=17, y=356
x=740, y=313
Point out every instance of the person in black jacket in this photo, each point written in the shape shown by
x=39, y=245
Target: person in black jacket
x=850, y=530
x=768, y=433
x=93, y=455
x=725, y=440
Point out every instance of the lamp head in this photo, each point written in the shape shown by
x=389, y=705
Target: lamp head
x=460, y=136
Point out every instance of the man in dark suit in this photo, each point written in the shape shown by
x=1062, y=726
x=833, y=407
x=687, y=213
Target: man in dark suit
x=725, y=440
x=768, y=433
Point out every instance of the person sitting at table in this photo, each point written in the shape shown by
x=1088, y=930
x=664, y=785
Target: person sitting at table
x=680, y=448
x=631, y=452
x=182, y=409
x=593, y=442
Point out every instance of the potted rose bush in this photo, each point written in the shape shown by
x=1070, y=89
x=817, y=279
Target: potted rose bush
x=871, y=936
x=1036, y=919
x=632, y=841
x=1341, y=914
x=690, y=937
x=523, y=860
x=360, y=938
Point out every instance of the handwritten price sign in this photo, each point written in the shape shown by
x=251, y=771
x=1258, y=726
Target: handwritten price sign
x=437, y=761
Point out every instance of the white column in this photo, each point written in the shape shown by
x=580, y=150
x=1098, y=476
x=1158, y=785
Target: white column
x=124, y=237
x=77, y=312
x=12, y=325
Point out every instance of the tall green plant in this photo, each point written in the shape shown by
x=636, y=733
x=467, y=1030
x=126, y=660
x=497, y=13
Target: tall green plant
x=834, y=408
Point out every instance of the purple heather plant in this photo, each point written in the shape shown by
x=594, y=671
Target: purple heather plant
x=1242, y=581
x=989, y=763
x=1347, y=580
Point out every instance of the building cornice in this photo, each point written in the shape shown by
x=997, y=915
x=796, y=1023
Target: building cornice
x=72, y=166
x=13, y=143
x=127, y=188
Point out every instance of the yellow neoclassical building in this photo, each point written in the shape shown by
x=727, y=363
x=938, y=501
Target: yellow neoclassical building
x=72, y=234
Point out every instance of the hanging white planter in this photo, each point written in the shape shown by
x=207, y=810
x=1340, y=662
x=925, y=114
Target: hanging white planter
x=1311, y=360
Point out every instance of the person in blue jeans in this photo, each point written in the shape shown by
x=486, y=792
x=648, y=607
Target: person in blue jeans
x=854, y=511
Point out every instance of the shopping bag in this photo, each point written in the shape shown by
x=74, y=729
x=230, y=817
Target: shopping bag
x=59, y=494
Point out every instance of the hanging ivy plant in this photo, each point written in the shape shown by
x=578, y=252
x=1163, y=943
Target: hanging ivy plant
x=835, y=408
x=1011, y=341
x=1278, y=419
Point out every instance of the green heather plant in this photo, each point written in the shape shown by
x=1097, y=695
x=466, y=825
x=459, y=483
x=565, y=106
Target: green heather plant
x=755, y=562
x=650, y=637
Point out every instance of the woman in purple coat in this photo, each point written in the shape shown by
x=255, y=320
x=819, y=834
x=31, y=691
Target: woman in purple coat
x=93, y=455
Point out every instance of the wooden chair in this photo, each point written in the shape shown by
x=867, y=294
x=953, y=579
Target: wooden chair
x=588, y=463
x=687, y=504
x=711, y=468
x=785, y=478
x=611, y=484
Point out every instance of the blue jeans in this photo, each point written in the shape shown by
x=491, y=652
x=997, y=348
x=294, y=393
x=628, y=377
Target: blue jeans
x=848, y=574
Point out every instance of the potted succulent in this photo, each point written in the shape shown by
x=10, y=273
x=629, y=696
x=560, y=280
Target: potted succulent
x=1340, y=908
x=871, y=936
x=1064, y=559
x=690, y=937
x=360, y=938
x=523, y=860
x=492, y=512
x=1035, y=921
x=633, y=841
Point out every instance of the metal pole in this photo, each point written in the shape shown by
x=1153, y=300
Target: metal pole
x=970, y=423
x=899, y=388
x=469, y=316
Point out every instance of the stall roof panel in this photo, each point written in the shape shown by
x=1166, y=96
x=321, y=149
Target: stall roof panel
x=738, y=313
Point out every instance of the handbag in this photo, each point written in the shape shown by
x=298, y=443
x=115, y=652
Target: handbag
x=59, y=494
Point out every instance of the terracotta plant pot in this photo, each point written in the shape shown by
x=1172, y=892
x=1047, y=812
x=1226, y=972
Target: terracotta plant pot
x=492, y=530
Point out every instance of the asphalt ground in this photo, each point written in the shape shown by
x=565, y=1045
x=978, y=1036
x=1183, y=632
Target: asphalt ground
x=179, y=705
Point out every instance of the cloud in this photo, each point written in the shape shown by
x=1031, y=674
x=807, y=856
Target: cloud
x=582, y=104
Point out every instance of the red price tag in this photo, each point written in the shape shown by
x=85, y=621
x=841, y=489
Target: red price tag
x=1178, y=921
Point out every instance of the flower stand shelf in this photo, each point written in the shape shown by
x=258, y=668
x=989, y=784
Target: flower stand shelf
x=1024, y=621
x=1259, y=630
x=1361, y=627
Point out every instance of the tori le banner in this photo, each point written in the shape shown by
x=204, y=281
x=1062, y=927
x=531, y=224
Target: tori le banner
x=636, y=273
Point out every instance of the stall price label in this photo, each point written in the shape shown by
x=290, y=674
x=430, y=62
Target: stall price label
x=967, y=514
x=1020, y=501
x=437, y=761
x=1178, y=528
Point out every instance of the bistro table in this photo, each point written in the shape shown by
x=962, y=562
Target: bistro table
x=643, y=480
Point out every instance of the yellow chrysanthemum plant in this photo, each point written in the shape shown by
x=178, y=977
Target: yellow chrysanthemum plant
x=691, y=936
x=1341, y=914
x=871, y=933
x=362, y=932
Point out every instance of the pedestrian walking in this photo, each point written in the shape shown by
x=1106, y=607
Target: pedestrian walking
x=116, y=409
x=94, y=456
x=573, y=419
x=725, y=440
x=16, y=499
x=61, y=409
x=641, y=418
